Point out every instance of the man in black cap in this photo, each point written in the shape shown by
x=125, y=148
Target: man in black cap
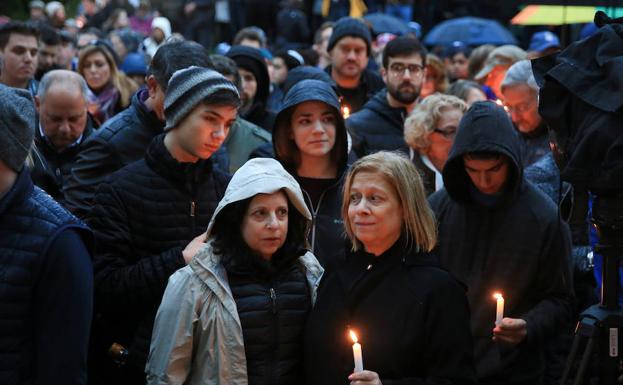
x=499, y=234
x=150, y=220
x=46, y=277
x=349, y=48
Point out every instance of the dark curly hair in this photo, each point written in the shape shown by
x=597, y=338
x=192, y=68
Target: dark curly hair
x=227, y=241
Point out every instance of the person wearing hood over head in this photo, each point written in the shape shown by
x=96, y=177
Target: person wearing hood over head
x=255, y=85
x=498, y=233
x=160, y=32
x=235, y=314
x=309, y=139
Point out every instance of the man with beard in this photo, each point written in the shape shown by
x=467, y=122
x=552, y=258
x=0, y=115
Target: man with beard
x=379, y=124
x=49, y=47
x=349, y=47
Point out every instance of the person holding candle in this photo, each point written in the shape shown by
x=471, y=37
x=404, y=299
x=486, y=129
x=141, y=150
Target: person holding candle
x=235, y=314
x=410, y=317
x=499, y=234
x=309, y=138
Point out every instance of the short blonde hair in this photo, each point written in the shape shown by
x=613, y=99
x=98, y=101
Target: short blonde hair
x=419, y=225
x=424, y=117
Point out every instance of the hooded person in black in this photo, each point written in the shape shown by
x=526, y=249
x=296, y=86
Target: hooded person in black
x=251, y=63
x=499, y=233
x=312, y=109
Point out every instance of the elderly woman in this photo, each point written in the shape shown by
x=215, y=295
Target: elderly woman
x=429, y=132
x=410, y=316
x=435, y=79
x=235, y=314
x=109, y=89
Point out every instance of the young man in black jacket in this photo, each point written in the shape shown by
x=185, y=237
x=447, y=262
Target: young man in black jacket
x=150, y=220
x=124, y=138
x=379, y=125
x=499, y=233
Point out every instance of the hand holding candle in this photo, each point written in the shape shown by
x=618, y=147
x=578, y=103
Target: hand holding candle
x=499, y=312
x=357, y=353
x=345, y=112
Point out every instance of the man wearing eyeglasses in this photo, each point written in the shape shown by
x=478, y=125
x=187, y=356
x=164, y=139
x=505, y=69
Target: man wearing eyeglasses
x=521, y=100
x=380, y=123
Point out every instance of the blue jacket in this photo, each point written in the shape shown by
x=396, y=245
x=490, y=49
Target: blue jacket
x=46, y=286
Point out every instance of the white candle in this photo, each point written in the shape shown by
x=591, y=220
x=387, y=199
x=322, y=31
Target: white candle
x=499, y=311
x=357, y=353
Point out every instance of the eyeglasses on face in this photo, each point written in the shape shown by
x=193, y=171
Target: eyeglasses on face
x=448, y=133
x=399, y=69
x=519, y=108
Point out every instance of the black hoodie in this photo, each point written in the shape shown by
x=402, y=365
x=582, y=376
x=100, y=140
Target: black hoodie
x=517, y=246
x=378, y=126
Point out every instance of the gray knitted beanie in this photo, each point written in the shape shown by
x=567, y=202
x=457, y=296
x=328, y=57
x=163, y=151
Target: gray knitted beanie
x=190, y=86
x=17, y=126
x=349, y=26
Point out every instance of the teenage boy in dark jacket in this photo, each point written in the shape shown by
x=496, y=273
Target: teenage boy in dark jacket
x=379, y=125
x=150, y=220
x=124, y=138
x=499, y=233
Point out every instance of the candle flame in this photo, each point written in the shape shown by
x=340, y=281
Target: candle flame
x=345, y=112
x=353, y=336
x=498, y=296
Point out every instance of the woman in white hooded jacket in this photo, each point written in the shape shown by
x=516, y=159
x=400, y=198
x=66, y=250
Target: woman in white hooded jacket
x=235, y=314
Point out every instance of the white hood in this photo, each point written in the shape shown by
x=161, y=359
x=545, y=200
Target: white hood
x=261, y=176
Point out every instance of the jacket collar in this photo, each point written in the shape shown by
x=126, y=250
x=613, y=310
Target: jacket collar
x=19, y=192
x=145, y=115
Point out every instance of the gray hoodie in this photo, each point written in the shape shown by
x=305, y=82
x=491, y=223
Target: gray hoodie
x=197, y=337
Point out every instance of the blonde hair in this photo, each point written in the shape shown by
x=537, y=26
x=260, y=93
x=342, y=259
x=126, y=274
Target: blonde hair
x=441, y=81
x=418, y=220
x=424, y=117
x=119, y=80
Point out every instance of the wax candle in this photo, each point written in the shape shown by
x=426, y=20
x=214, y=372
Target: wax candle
x=357, y=353
x=499, y=311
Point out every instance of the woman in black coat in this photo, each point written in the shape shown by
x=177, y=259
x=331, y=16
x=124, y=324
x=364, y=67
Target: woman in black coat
x=411, y=317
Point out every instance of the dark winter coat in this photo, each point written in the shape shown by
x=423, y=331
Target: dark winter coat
x=378, y=126
x=369, y=84
x=327, y=231
x=46, y=289
x=410, y=316
x=517, y=246
x=52, y=169
x=119, y=142
x=142, y=221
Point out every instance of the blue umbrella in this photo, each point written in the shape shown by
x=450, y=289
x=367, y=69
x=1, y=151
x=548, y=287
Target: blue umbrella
x=383, y=23
x=472, y=31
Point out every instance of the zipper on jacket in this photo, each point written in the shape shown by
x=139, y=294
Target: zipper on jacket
x=273, y=298
x=193, y=208
x=314, y=212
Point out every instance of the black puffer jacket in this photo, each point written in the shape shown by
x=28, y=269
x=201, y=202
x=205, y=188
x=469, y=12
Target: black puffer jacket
x=516, y=245
x=369, y=84
x=273, y=307
x=119, y=142
x=142, y=221
x=378, y=126
x=52, y=169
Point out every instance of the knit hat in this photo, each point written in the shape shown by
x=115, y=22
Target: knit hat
x=190, y=86
x=349, y=26
x=17, y=126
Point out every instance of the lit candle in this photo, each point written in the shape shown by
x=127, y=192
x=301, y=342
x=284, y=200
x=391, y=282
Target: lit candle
x=345, y=112
x=357, y=353
x=499, y=311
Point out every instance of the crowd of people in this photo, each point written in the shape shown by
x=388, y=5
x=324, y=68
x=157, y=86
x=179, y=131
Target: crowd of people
x=178, y=211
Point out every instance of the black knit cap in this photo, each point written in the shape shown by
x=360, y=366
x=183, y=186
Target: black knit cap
x=251, y=59
x=349, y=26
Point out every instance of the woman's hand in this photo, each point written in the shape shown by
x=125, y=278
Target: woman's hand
x=365, y=377
x=193, y=247
x=512, y=331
